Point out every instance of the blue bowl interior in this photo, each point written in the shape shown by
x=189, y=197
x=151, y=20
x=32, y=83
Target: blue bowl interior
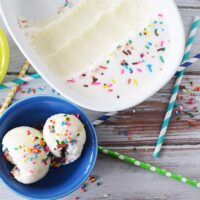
x=58, y=182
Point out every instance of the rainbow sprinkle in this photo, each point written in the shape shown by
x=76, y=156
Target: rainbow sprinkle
x=32, y=152
x=187, y=106
x=139, y=56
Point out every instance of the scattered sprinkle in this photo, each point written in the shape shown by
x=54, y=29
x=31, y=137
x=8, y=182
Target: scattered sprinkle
x=83, y=188
x=99, y=183
x=92, y=178
x=187, y=106
x=127, y=61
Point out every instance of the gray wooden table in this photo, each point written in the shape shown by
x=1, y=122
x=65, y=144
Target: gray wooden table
x=135, y=133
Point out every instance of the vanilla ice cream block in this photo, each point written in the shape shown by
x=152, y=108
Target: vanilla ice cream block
x=65, y=136
x=65, y=28
x=25, y=148
x=77, y=41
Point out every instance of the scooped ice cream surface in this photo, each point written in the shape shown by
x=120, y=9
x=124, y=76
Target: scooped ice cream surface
x=65, y=135
x=25, y=148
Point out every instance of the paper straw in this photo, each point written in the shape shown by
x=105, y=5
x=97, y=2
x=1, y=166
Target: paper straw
x=188, y=63
x=149, y=167
x=13, y=90
x=19, y=81
x=175, y=90
x=103, y=118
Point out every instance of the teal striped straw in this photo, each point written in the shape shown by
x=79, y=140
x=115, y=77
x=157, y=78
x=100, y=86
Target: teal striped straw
x=19, y=81
x=175, y=90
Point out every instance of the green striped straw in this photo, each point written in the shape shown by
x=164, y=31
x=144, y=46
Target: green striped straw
x=175, y=90
x=149, y=167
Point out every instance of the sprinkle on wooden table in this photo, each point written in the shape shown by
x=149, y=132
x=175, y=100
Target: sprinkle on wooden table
x=99, y=183
x=92, y=178
x=83, y=188
x=188, y=103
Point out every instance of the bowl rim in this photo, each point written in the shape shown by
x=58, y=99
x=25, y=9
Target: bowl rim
x=42, y=97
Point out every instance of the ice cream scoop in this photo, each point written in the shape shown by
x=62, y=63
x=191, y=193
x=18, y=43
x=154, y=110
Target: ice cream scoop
x=65, y=135
x=26, y=149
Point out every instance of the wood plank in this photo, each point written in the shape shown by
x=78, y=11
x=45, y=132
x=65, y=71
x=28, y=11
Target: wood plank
x=195, y=4
x=123, y=181
x=127, y=182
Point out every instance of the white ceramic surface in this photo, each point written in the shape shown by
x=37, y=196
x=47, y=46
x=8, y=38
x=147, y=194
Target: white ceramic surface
x=37, y=9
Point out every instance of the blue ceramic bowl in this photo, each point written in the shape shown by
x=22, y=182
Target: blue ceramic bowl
x=58, y=182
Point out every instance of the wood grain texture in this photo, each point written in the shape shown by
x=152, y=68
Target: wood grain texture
x=135, y=134
x=194, y=4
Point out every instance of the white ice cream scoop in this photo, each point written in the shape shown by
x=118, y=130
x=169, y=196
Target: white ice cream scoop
x=25, y=148
x=65, y=135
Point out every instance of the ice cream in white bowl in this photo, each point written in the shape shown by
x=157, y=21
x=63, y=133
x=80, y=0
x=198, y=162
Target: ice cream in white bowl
x=102, y=55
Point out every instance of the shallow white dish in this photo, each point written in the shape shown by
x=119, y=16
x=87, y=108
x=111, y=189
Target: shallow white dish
x=150, y=84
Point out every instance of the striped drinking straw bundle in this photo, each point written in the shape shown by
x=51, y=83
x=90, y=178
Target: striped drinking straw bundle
x=175, y=90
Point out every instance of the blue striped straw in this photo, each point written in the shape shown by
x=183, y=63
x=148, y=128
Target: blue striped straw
x=103, y=118
x=188, y=63
x=175, y=90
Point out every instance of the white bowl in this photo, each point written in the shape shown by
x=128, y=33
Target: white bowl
x=37, y=9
